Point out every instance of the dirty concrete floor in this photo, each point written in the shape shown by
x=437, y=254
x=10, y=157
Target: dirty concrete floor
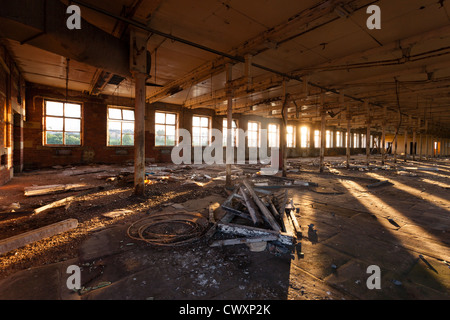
x=351, y=232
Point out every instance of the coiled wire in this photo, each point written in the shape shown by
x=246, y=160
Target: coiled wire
x=169, y=229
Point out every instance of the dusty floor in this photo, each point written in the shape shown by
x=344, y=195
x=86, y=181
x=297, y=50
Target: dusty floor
x=402, y=227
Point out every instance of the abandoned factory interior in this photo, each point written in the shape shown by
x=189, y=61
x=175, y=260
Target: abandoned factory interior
x=269, y=150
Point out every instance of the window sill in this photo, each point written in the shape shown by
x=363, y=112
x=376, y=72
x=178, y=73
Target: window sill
x=61, y=146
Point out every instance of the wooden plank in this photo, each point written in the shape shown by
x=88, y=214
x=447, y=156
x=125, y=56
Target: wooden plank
x=236, y=241
x=23, y=239
x=55, y=188
x=270, y=219
x=64, y=201
x=250, y=232
x=274, y=209
x=298, y=230
x=252, y=208
x=288, y=227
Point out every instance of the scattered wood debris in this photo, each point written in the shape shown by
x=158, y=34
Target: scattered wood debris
x=256, y=216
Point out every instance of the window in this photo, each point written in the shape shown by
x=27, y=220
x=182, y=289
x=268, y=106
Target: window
x=317, y=138
x=346, y=140
x=273, y=135
x=233, y=133
x=290, y=136
x=339, y=139
x=120, y=127
x=165, y=129
x=304, y=136
x=62, y=123
x=200, y=131
x=355, y=140
x=363, y=140
x=328, y=139
x=253, y=134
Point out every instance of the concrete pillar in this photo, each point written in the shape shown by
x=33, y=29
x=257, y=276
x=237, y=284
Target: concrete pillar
x=349, y=136
x=283, y=131
x=139, y=134
x=138, y=68
x=395, y=142
x=322, y=138
x=406, y=144
x=368, y=122
x=229, y=148
x=420, y=146
x=383, y=136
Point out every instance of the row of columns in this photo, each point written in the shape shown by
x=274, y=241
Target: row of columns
x=442, y=148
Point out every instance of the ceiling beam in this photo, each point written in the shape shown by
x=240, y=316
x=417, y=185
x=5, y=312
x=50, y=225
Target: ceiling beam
x=47, y=18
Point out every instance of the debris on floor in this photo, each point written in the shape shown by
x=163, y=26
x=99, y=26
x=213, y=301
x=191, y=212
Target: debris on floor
x=257, y=217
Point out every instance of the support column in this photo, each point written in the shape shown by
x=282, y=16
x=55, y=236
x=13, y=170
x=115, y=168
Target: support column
x=420, y=146
x=349, y=137
x=229, y=149
x=414, y=145
x=406, y=144
x=426, y=139
x=395, y=145
x=322, y=135
x=383, y=137
x=283, y=131
x=139, y=133
x=138, y=67
x=368, y=122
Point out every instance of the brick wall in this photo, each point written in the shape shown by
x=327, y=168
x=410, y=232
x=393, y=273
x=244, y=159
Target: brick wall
x=12, y=89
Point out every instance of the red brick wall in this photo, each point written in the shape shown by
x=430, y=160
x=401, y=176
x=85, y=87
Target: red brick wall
x=11, y=91
x=94, y=133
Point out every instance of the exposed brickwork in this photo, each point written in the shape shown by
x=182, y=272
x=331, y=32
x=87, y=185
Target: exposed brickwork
x=12, y=91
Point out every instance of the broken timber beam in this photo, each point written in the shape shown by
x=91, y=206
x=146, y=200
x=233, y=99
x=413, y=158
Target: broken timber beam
x=64, y=201
x=248, y=231
x=267, y=214
x=231, y=242
x=297, y=228
x=54, y=188
x=252, y=208
x=23, y=239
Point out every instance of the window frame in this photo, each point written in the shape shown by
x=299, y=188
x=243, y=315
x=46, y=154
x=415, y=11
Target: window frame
x=339, y=139
x=121, y=145
x=209, y=130
x=294, y=134
x=356, y=140
x=329, y=139
x=258, y=134
x=234, y=132
x=305, y=141
x=317, y=139
x=63, y=117
x=165, y=125
x=277, y=133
